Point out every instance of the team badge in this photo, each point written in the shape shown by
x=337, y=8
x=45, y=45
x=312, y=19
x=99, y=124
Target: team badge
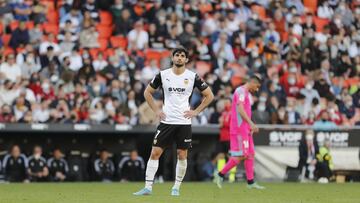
x=186, y=81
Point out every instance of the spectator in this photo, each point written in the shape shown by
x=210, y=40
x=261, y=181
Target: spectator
x=223, y=50
x=325, y=11
x=15, y=165
x=210, y=166
x=88, y=38
x=122, y=18
x=22, y=10
x=20, y=36
x=224, y=124
x=104, y=167
x=308, y=150
x=58, y=166
x=131, y=168
x=50, y=42
x=10, y=70
x=37, y=170
x=138, y=38
x=324, y=122
x=75, y=17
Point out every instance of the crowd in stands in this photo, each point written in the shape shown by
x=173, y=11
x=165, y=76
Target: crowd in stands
x=89, y=61
x=16, y=166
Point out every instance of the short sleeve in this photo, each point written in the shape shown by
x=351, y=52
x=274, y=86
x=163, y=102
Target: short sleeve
x=156, y=81
x=200, y=83
x=241, y=96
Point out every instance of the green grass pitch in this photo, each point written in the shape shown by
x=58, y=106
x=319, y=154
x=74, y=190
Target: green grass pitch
x=190, y=192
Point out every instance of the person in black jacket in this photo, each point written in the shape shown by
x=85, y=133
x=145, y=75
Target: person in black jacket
x=104, y=167
x=132, y=168
x=38, y=170
x=15, y=165
x=58, y=166
x=20, y=37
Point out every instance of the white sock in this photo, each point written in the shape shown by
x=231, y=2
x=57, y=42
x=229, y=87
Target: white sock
x=180, y=172
x=151, y=168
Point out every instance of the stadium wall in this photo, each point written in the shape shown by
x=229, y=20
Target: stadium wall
x=276, y=146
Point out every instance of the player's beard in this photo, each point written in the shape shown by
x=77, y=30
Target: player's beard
x=179, y=65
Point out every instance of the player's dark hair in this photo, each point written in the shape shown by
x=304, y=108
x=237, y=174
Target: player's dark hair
x=180, y=50
x=256, y=77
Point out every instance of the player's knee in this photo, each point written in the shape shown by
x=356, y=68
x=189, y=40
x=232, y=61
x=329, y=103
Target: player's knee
x=182, y=154
x=155, y=154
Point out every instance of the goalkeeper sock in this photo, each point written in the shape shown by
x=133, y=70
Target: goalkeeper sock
x=229, y=165
x=249, y=168
x=151, y=169
x=181, y=166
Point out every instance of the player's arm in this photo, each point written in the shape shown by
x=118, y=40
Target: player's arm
x=207, y=94
x=149, y=91
x=208, y=97
x=244, y=116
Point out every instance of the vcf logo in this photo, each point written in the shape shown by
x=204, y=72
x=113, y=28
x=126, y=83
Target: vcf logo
x=178, y=89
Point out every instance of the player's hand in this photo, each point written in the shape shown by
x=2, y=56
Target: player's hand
x=161, y=115
x=254, y=128
x=190, y=114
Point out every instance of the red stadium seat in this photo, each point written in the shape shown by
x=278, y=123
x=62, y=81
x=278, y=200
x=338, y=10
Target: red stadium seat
x=152, y=54
x=8, y=50
x=105, y=18
x=202, y=67
x=103, y=43
x=261, y=11
x=51, y=28
x=30, y=25
x=320, y=23
x=1, y=28
x=94, y=52
x=50, y=5
x=110, y=52
x=236, y=81
x=6, y=39
x=104, y=31
x=118, y=41
x=311, y=5
x=14, y=24
x=52, y=17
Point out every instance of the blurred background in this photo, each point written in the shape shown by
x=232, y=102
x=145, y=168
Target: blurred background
x=73, y=73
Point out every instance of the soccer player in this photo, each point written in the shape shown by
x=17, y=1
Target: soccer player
x=241, y=131
x=177, y=84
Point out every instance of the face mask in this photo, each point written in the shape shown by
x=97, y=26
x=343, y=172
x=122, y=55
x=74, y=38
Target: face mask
x=262, y=99
x=45, y=87
x=349, y=104
x=309, y=86
x=255, y=17
x=293, y=69
x=261, y=107
x=225, y=78
x=257, y=64
x=122, y=78
x=337, y=22
x=291, y=81
x=96, y=88
x=29, y=59
x=276, y=80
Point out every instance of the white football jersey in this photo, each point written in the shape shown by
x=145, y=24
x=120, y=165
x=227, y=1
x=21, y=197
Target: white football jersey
x=177, y=90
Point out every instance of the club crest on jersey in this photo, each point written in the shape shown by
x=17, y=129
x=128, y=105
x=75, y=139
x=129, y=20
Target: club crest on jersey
x=186, y=81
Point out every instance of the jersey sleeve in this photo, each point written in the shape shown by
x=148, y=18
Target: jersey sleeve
x=156, y=81
x=200, y=83
x=240, y=96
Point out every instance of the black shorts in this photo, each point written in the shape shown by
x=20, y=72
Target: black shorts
x=167, y=134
